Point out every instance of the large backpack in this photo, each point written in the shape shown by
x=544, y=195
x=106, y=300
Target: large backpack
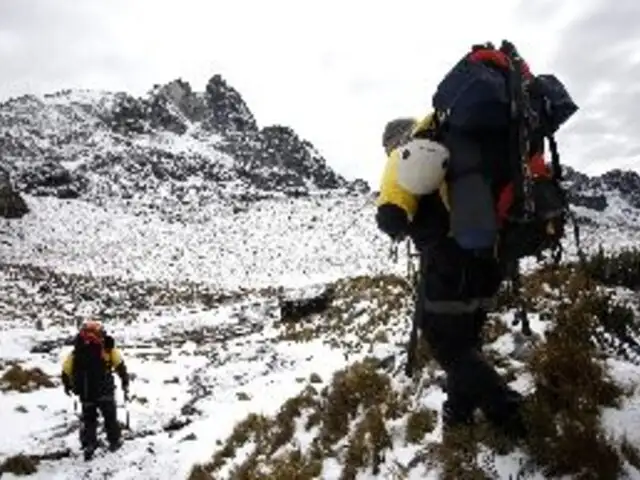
x=90, y=371
x=491, y=90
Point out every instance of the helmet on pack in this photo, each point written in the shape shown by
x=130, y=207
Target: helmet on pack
x=92, y=331
x=422, y=166
x=92, y=325
x=396, y=132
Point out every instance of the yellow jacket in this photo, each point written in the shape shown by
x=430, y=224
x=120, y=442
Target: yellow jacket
x=112, y=358
x=391, y=192
x=113, y=361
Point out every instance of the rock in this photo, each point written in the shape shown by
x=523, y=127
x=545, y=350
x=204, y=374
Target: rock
x=596, y=202
x=293, y=310
x=359, y=186
x=176, y=424
x=163, y=116
x=129, y=115
x=189, y=438
x=626, y=182
x=592, y=192
x=228, y=113
x=180, y=94
x=50, y=178
x=12, y=205
x=243, y=396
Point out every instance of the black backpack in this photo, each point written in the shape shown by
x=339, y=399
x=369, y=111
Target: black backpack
x=90, y=370
x=493, y=90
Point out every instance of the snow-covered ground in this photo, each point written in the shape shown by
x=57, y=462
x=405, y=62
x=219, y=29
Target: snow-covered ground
x=190, y=367
x=200, y=368
x=273, y=242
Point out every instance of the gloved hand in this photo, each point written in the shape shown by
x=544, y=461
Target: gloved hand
x=126, y=395
x=393, y=221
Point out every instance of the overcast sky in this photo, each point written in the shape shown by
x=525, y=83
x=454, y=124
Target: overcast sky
x=335, y=70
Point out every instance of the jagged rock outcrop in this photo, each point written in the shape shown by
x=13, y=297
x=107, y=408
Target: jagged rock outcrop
x=228, y=112
x=279, y=158
x=50, y=178
x=595, y=192
x=174, y=143
x=12, y=205
x=180, y=94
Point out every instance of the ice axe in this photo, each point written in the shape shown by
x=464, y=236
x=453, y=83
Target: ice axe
x=75, y=409
x=126, y=411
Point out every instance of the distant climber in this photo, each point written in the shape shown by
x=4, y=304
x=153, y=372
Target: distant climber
x=87, y=373
x=469, y=185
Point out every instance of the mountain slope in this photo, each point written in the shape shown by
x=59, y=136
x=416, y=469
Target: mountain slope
x=174, y=142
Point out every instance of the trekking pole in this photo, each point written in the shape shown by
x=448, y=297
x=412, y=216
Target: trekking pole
x=126, y=411
x=413, y=273
x=127, y=422
x=521, y=315
x=393, y=251
x=75, y=409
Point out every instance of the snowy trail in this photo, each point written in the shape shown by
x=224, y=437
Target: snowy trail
x=171, y=372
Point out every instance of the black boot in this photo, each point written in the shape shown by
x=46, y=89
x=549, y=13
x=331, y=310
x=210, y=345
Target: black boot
x=115, y=446
x=457, y=412
x=505, y=414
x=89, y=450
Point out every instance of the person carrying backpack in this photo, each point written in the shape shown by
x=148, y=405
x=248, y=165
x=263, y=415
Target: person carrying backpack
x=470, y=186
x=87, y=373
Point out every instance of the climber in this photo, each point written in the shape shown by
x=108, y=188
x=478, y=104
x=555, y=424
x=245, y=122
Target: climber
x=451, y=185
x=444, y=312
x=87, y=373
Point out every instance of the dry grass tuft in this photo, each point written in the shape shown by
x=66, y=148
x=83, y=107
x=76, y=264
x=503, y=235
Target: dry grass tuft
x=571, y=385
x=24, y=380
x=347, y=419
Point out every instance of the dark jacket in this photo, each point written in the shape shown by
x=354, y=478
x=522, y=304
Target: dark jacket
x=112, y=361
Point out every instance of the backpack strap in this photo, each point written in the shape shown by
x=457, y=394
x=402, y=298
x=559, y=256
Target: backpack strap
x=556, y=169
x=521, y=127
x=521, y=315
x=520, y=130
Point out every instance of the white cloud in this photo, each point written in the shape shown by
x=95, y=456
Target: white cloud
x=335, y=71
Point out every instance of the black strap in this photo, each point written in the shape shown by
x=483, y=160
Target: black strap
x=582, y=259
x=412, y=346
x=521, y=314
x=556, y=168
x=520, y=129
x=417, y=315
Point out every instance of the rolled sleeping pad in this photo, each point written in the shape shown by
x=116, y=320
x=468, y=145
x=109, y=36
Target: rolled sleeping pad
x=474, y=223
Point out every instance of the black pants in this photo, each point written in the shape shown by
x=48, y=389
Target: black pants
x=107, y=408
x=453, y=281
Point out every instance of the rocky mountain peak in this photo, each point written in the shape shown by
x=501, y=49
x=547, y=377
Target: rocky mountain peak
x=228, y=112
x=598, y=191
x=179, y=95
x=174, y=142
